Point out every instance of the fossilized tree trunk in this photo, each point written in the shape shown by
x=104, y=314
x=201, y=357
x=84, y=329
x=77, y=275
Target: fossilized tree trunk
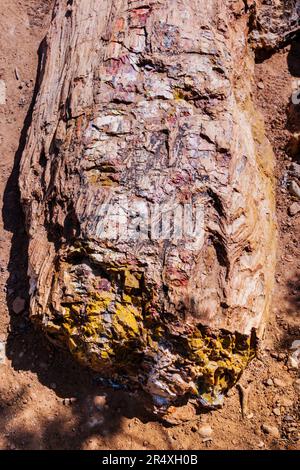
x=144, y=115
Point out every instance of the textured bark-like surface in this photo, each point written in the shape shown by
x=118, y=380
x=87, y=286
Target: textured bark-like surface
x=145, y=108
x=274, y=22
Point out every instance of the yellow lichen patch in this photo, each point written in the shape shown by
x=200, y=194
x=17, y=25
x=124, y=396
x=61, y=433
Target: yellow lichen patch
x=102, y=178
x=100, y=303
x=131, y=280
x=220, y=360
x=126, y=316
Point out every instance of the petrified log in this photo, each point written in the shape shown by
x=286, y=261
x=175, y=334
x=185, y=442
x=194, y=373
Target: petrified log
x=147, y=184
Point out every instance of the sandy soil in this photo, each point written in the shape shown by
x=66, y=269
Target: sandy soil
x=49, y=402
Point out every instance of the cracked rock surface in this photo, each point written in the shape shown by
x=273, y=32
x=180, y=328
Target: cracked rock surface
x=147, y=184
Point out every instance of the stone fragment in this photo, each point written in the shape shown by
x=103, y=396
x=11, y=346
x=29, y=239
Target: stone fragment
x=269, y=382
x=205, y=431
x=297, y=385
x=271, y=430
x=276, y=411
x=295, y=167
x=294, y=208
x=100, y=402
x=18, y=305
x=294, y=189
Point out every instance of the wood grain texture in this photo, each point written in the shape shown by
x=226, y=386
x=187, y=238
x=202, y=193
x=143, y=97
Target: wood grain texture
x=145, y=109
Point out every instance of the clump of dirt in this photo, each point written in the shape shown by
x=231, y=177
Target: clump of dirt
x=47, y=400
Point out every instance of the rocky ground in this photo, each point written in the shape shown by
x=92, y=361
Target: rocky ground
x=49, y=402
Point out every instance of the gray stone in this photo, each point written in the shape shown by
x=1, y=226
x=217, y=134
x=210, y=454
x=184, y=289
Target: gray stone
x=295, y=169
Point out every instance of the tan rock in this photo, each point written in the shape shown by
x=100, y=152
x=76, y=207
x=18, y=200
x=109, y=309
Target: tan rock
x=271, y=430
x=100, y=402
x=205, y=431
x=294, y=208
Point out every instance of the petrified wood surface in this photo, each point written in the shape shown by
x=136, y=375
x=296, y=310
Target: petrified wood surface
x=145, y=109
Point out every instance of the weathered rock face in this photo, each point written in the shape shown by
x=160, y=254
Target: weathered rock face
x=274, y=22
x=147, y=183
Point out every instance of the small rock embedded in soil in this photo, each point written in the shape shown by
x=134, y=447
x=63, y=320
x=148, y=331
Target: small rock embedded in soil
x=295, y=169
x=18, y=305
x=276, y=411
x=269, y=382
x=100, y=402
x=297, y=385
x=294, y=209
x=205, y=431
x=294, y=358
x=295, y=345
x=294, y=189
x=271, y=430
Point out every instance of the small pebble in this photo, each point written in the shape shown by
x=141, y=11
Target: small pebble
x=294, y=189
x=295, y=345
x=205, y=431
x=292, y=363
x=271, y=430
x=294, y=209
x=269, y=382
x=288, y=418
x=297, y=385
x=100, y=402
x=260, y=85
x=276, y=411
x=295, y=169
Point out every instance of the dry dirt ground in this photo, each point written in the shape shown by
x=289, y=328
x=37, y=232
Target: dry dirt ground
x=36, y=381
